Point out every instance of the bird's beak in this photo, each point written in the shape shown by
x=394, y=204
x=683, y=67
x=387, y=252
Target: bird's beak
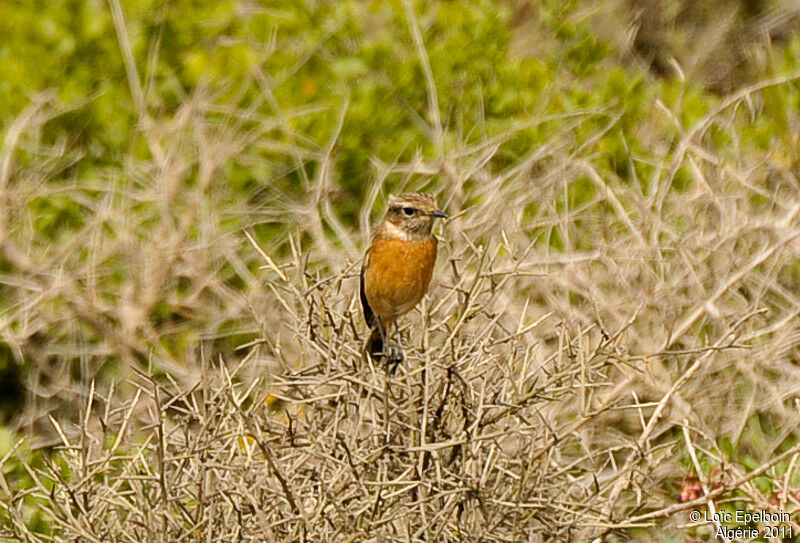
x=439, y=214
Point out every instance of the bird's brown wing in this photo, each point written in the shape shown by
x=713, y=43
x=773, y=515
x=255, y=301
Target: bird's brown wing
x=369, y=314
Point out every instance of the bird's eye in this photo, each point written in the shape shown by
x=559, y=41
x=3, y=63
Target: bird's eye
x=408, y=211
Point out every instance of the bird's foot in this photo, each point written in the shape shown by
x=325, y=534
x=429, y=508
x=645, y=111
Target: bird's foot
x=394, y=356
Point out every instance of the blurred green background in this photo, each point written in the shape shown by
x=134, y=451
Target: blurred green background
x=494, y=63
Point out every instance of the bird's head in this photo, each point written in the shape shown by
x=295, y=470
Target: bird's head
x=411, y=215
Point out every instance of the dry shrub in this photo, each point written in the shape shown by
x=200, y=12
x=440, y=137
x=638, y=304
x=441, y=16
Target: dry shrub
x=552, y=390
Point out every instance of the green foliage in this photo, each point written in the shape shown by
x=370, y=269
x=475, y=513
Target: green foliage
x=18, y=481
x=286, y=57
x=321, y=55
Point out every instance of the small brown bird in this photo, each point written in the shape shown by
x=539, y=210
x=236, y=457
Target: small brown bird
x=397, y=269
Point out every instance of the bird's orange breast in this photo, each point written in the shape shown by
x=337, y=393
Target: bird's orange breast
x=397, y=274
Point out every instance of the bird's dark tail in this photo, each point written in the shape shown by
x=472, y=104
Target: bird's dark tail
x=389, y=354
x=375, y=343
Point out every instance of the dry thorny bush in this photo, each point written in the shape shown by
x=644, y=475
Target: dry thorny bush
x=546, y=395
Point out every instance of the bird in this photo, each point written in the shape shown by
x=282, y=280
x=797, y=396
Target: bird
x=397, y=269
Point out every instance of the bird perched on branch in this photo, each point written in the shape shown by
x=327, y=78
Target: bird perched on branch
x=397, y=269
